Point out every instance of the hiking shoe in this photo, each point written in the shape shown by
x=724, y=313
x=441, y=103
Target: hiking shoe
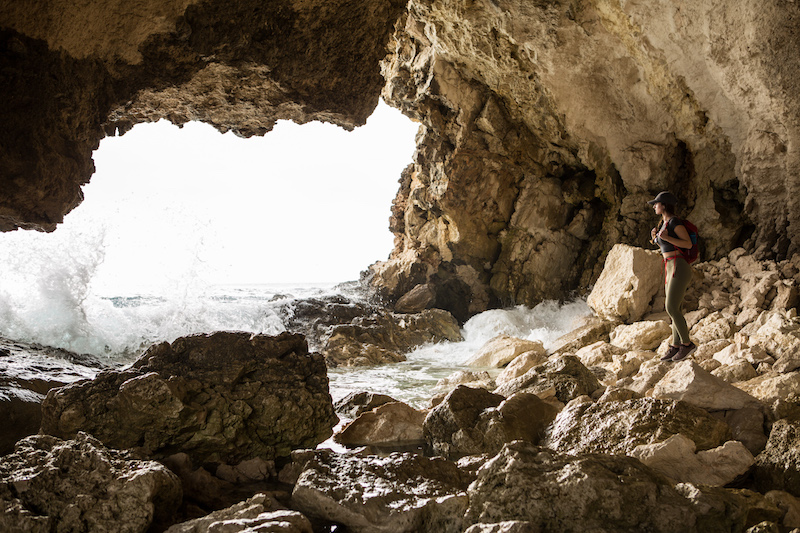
x=671, y=351
x=684, y=351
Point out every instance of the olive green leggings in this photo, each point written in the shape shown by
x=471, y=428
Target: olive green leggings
x=678, y=275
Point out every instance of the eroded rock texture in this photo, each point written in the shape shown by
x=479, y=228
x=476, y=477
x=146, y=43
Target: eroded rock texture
x=544, y=125
x=220, y=398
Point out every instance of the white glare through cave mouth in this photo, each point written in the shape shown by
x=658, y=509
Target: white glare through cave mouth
x=175, y=212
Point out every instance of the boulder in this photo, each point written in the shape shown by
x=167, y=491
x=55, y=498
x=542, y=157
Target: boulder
x=503, y=349
x=678, y=459
x=787, y=503
x=48, y=484
x=257, y=513
x=508, y=526
x=452, y=427
x=650, y=373
x=386, y=337
x=598, y=352
x=739, y=371
x=630, y=278
x=390, y=424
x=627, y=364
x=617, y=427
x=355, y=403
x=565, y=374
x=558, y=492
x=592, y=329
x=771, y=387
x=721, y=510
x=747, y=426
x=27, y=373
x=778, y=333
x=688, y=381
x=466, y=377
x=416, y=300
x=716, y=326
x=225, y=397
x=645, y=335
x=521, y=364
x=778, y=466
x=401, y=492
x=733, y=353
x=787, y=363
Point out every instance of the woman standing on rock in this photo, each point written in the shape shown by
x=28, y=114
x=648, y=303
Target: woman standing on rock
x=670, y=236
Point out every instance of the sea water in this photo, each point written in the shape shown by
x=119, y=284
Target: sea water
x=59, y=312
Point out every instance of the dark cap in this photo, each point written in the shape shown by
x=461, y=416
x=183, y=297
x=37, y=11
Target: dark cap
x=665, y=197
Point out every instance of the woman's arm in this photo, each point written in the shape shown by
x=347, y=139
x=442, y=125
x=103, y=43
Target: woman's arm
x=683, y=240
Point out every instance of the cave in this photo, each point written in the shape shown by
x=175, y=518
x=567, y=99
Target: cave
x=545, y=126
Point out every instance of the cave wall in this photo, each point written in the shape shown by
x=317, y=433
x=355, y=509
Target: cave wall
x=545, y=125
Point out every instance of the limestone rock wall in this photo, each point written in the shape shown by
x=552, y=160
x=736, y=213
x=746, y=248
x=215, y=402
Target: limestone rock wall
x=547, y=125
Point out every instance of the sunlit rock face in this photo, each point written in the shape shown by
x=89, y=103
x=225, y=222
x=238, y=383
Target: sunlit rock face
x=72, y=73
x=547, y=126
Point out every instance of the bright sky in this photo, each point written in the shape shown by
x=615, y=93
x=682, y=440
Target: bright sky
x=304, y=203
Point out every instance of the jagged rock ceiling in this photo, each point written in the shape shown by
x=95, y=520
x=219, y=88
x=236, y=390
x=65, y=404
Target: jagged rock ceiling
x=546, y=125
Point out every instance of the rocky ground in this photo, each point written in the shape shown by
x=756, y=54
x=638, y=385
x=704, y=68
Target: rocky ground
x=220, y=432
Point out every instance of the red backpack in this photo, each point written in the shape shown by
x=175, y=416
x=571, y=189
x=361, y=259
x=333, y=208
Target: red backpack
x=690, y=254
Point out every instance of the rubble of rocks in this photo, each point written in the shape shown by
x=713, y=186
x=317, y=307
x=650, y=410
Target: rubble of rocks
x=596, y=434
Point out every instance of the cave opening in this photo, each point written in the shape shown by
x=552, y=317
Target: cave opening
x=173, y=215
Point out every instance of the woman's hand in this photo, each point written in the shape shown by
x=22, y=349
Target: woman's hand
x=653, y=233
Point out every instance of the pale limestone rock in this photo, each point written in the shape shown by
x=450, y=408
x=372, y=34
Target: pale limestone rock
x=591, y=330
x=390, y=424
x=787, y=363
x=650, y=373
x=736, y=352
x=565, y=374
x=756, y=287
x=779, y=335
x=627, y=364
x=502, y=349
x=713, y=327
x=416, y=300
x=772, y=386
x=598, y=352
x=257, y=512
x=739, y=371
x=708, y=349
x=520, y=365
x=640, y=335
x=630, y=279
x=466, y=377
x=507, y=526
x=687, y=381
x=709, y=365
x=618, y=394
x=677, y=459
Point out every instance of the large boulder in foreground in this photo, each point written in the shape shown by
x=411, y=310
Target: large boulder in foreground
x=79, y=485
x=220, y=398
x=629, y=281
x=401, y=492
x=556, y=492
x=618, y=427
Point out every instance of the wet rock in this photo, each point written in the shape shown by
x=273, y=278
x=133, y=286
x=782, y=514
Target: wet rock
x=355, y=403
x=451, y=428
x=27, y=373
x=678, y=459
x=557, y=492
x=565, y=374
x=503, y=349
x=630, y=279
x=258, y=513
x=687, y=381
x=224, y=397
x=386, y=337
x=48, y=484
x=618, y=427
x=400, y=492
x=778, y=466
x=390, y=424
